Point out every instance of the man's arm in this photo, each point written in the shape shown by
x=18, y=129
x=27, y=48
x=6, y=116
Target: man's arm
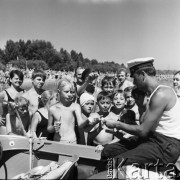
x=83, y=87
x=150, y=118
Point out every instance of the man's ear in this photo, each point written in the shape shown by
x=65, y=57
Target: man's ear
x=143, y=75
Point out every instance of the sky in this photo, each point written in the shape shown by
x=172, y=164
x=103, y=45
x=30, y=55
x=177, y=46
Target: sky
x=105, y=30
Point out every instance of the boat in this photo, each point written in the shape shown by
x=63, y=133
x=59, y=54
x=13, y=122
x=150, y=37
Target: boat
x=25, y=155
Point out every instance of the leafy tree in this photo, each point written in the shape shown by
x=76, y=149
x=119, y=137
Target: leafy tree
x=11, y=51
x=2, y=56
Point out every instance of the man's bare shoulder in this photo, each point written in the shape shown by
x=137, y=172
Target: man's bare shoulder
x=165, y=91
x=166, y=96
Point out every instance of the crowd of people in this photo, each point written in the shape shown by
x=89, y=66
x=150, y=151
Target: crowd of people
x=137, y=121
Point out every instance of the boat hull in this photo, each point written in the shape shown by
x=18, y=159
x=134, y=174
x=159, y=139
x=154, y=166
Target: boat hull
x=18, y=157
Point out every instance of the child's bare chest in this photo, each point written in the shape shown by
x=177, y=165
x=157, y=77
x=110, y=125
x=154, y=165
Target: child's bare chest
x=64, y=114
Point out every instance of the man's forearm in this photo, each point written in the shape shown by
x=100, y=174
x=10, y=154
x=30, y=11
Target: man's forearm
x=82, y=88
x=131, y=129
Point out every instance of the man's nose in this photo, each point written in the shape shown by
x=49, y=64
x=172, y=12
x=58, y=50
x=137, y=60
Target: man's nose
x=106, y=105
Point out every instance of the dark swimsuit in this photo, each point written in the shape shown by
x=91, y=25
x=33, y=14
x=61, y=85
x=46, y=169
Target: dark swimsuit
x=5, y=107
x=42, y=128
x=10, y=99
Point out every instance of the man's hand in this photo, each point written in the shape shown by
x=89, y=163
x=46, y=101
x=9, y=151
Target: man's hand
x=110, y=123
x=99, y=148
x=92, y=76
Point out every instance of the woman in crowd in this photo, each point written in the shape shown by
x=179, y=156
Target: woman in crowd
x=7, y=96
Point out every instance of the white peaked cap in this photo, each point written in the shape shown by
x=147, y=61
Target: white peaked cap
x=85, y=97
x=138, y=63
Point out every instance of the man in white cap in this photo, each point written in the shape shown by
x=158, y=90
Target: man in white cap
x=157, y=138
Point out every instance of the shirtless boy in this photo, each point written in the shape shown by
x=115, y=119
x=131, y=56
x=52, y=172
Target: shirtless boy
x=38, y=80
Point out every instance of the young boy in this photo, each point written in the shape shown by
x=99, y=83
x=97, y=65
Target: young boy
x=33, y=95
x=108, y=84
x=98, y=133
x=130, y=101
x=18, y=118
x=118, y=112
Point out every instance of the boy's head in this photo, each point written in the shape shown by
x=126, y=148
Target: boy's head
x=108, y=84
x=130, y=101
x=78, y=74
x=119, y=100
x=121, y=75
x=22, y=104
x=104, y=101
x=87, y=102
x=38, y=78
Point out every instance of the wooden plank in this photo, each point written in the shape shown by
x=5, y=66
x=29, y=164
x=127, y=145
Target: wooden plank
x=22, y=143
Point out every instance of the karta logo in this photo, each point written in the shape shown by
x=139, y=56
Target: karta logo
x=136, y=171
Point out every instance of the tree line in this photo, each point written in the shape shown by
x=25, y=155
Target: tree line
x=40, y=53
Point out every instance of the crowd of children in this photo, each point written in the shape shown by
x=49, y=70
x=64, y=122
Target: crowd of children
x=75, y=113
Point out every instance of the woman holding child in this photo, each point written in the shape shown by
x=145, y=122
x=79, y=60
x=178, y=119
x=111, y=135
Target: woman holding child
x=16, y=78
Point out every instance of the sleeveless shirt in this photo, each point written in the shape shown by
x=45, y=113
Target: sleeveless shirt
x=169, y=122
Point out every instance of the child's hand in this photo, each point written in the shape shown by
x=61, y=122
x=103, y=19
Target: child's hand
x=57, y=125
x=56, y=129
x=93, y=120
x=28, y=134
x=102, y=120
x=13, y=105
x=99, y=148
